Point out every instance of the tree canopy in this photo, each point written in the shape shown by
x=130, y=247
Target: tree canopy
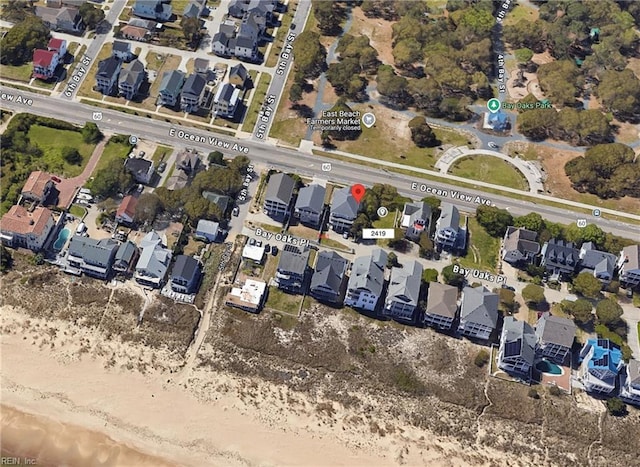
x=608, y=312
x=16, y=47
x=494, y=220
x=310, y=54
x=619, y=92
x=422, y=134
x=580, y=309
x=452, y=278
x=91, y=15
x=533, y=294
x=587, y=285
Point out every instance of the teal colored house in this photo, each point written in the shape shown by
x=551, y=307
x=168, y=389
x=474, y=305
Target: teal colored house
x=601, y=361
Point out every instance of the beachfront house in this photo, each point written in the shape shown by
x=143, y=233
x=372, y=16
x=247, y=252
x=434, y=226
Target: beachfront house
x=185, y=275
x=20, y=228
x=630, y=383
x=310, y=205
x=366, y=282
x=517, y=350
x=403, y=293
x=442, y=306
x=93, y=257
x=38, y=186
x=247, y=294
x=293, y=269
x=329, y=280
x=601, y=362
x=126, y=258
x=277, y=199
x=554, y=336
x=154, y=260
x=629, y=266
x=478, y=313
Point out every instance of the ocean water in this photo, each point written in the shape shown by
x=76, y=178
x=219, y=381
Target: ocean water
x=28, y=439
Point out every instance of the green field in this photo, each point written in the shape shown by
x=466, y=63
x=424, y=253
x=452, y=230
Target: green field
x=491, y=170
x=112, y=150
x=483, y=249
x=17, y=73
x=258, y=98
x=51, y=141
x=161, y=153
x=77, y=211
x=281, y=301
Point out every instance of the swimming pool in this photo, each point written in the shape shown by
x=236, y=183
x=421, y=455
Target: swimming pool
x=545, y=366
x=62, y=238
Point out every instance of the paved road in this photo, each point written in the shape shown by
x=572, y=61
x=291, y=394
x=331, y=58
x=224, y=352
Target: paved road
x=279, y=76
x=291, y=160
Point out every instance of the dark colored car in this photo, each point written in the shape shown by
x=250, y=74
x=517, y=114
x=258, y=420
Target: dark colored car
x=162, y=166
x=274, y=250
x=56, y=179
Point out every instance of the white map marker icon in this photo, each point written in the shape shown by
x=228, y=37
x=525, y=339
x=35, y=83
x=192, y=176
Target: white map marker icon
x=369, y=119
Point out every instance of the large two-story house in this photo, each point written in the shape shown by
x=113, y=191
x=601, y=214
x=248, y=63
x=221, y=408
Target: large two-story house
x=448, y=234
x=141, y=169
x=403, y=293
x=630, y=383
x=107, y=75
x=193, y=92
x=93, y=257
x=519, y=246
x=170, y=88
x=416, y=219
x=554, y=337
x=310, y=205
x=158, y=10
x=65, y=19
x=293, y=269
x=277, y=199
x=226, y=100
x=601, y=363
x=185, y=275
x=38, y=187
x=478, y=313
x=517, y=350
x=442, y=306
x=45, y=63
x=629, y=266
x=366, y=282
x=599, y=263
x=20, y=228
x=559, y=258
x=153, y=262
x=344, y=210
x=328, y=283
x=131, y=78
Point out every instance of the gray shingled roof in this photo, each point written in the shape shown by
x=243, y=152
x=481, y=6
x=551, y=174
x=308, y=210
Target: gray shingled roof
x=404, y=285
x=294, y=260
x=126, y=252
x=185, y=267
x=442, y=300
x=240, y=71
x=633, y=368
x=518, y=339
x=131, y=72
x=107, y=67
x=632, y=255
x=94, y=252
x=598, y=261
x=330, y=270
x=522, y=240
x=280, y=188
x=415, y=211
x=368, y=272
x=121, y=46
x=555, y=330
x=343, y=204
x=449, y=217
x=172, y=81
x=194, y=85
x=479, y=305
x=311, y=198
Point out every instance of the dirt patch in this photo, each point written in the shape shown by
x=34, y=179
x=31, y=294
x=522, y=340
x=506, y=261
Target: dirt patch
x=379, y=32
x=634, y=65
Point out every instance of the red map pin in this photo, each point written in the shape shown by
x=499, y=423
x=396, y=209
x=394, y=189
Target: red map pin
x=357, y=191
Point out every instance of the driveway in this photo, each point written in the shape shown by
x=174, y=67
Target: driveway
x=631, y=314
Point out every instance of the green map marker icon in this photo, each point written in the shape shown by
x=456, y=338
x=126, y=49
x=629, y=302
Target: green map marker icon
x=493, y=105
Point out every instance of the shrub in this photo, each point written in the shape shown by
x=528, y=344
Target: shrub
x=533, y=394
x=616, y=407
x=555, y=391
x=481, y=359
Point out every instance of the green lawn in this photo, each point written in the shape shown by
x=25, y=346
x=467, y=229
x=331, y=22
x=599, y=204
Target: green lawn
x=521, y=12
x=281, y=301
x=17, y=73
x=77, y=211
x=329, y=242
x=489, y=169
x=51, y=141
x=258, y=98
x=113, y=150
x=161, y=153
x=386, y=222
x=483, y=249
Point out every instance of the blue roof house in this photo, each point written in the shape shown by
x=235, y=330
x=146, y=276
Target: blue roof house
x=600, y=363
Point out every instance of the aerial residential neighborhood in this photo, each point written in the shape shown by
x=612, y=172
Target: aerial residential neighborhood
x=406, y=233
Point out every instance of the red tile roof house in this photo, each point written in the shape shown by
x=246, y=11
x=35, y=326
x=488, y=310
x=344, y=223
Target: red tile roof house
x=37, y=187
x=44, y=63
x=21, y=228
x=126, y=210
x=59, y=46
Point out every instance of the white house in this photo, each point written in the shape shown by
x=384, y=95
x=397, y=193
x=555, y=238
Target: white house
x=366, y=282
x=517, y=350
x=404, y=291
x=154, y=260
x=152, y=9
x=601, y=362
x=478, y=313
x=629, y=266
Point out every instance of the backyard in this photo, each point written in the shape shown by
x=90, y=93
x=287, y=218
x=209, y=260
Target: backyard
x=51, y=141
x=281, y=301
x=489, y=169
x=482, y=251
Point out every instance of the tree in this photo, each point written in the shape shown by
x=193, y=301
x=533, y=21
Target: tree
x=71, y=155
x=147, y=208
x=580, y=309
x=422, y=134
x=589, y=233
x=532, y=221
x=608, y=312
x=16, y=10
x=91, y=134
x=533, y=294
x=561, y=81
x=361, y=222
x=619, y=92
x=452, y=278
x=481, y=358
x=392, y=260
x=310, y=54
x=494, y=220
x=507, y=300
x=406, y=53
x=112, y=179
x=606, y=170
x=240, y=164
x=17, y=45
x=587, y=285
x=345, y=77
x=341, y=135
x=295, y=93
x=523, y=55
x=191, y=29
x=329, y=16
x=426, y=245
x=526, y=33
x=91, y=15
x=430, y=275
x=216, y=158
x=6, y=260
x=616, y=407
x=537, y=124
x=392, y=87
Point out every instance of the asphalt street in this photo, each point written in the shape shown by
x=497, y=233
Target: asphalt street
x=291, y=160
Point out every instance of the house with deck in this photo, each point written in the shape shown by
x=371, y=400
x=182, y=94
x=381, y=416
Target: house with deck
x=170, y=88
x=630, y=383
x=478, y=313
x=293, y=269
x=416, y=219
x=559, y=259
x=277, y=199
x=45, y=63
x=449, y=235
x=153, y=262
x=629, y=266
x=93, y=257
x=309, y=206
x=185, y=275
x=517, y=350
x=554, y=337
x=366, y=283
x=21, y=228
x=344, y=210
x=442, y=306
x=403, y=292
x=329, y=280
x=131, y=78
x=519, y=246
x=125, y=214
x=107, y=75
x=599, y=263
x=193, y=92
x=38, y=187
x=126, y=258
x=158, y=10
x=601, y=362
x=226, y=101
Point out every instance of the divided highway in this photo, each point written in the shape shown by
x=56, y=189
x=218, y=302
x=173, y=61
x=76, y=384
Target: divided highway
x=291, y=160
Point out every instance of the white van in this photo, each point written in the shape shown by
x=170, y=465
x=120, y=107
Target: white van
x=81, y=228
x=85, y=191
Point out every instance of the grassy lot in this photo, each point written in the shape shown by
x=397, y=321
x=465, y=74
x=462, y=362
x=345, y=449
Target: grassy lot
x=165, y=63
x=155, y=60
x=290, y=130
x=268, y=227
x=113, y=150
x=171, y=169
x=51, y=141
x=521, y=12
x=90, y=80
x=483, y=249
x=329, y=242
x=281, y=35
x=491, y=170
x=17, y=73
x=160, y=153
x=258, y=98
x=193, y=247
x=281, y=301
x=387, y=222
x=77, y=211
x=270, y=266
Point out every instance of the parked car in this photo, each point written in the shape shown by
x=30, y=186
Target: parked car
x=162, y=166
x=508, y=287
x=274, y=250
x=267, y=248
x=493, y=145
x=141, y=154
x=140, y=188
x=56, y=179
x=293, y=26
x=252, y=241
x=258, y=243
x=345, y=234
x=85, y=197
x=85, y=191
x=236, y=211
